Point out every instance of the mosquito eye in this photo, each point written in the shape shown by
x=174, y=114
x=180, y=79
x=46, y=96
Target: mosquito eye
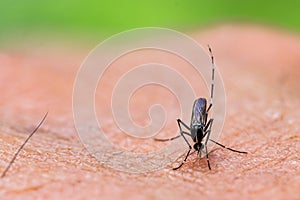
x=196, y=146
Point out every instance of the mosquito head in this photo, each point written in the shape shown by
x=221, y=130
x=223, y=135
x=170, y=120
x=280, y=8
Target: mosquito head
x=198, y=146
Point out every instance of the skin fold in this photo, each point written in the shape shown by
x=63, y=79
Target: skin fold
x=260, y=67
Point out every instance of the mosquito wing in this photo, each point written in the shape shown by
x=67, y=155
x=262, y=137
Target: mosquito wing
x=199, y=112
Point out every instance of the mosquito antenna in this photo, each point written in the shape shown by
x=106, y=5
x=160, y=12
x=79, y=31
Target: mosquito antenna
x=21, y=147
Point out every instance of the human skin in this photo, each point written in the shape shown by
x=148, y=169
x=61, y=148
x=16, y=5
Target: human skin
x=260, y=68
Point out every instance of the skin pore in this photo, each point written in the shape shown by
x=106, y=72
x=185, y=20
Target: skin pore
x=260, y=70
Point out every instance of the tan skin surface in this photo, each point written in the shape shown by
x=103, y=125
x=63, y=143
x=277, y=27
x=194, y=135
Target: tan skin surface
x=261, y=70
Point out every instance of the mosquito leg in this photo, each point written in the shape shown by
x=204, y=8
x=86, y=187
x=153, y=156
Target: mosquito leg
x=181, y=122
x=181, y=132
x=187, y=155
x=168, y=139
x=207, y=159
x=190, y=147
x=228, y=147
x=207, y=138
x=173, y=138
x=208, y=124
x=209, y=107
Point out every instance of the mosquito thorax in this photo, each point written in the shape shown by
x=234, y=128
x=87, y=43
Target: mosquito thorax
x=196, y=131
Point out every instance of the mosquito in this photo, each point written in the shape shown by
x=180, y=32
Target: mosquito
x=200, y=128
x=21, y=147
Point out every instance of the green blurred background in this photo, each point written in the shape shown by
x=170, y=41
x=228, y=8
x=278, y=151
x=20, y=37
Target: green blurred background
x=21, y=18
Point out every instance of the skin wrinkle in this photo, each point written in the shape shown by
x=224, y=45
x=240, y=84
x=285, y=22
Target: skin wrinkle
x=261, y=119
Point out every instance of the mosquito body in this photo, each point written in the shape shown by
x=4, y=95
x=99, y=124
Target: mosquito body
x=200, y=127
